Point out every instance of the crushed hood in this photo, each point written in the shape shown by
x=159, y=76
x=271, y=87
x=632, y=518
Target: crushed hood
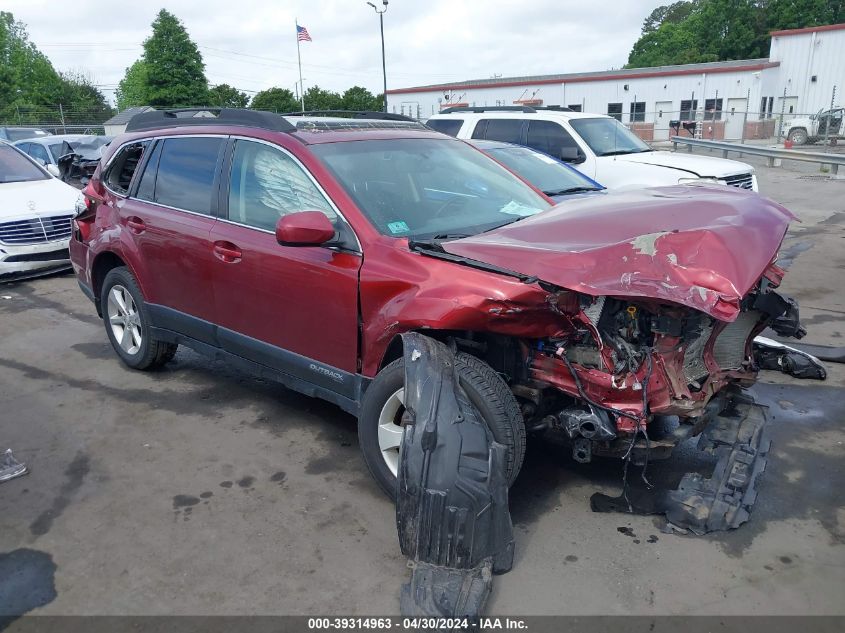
x=705, y=166
x=702, y=247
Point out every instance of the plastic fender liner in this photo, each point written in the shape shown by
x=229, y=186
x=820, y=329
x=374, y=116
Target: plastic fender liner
x=772, y=354
x=452, y=503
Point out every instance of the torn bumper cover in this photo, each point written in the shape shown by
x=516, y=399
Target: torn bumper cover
x=452, y=502
x=736, y=436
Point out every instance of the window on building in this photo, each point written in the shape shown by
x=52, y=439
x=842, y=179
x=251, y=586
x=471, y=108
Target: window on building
x=575, y=107
x=688, y=108
x=713, y=109
x=637, y=111
x=763, y=102
x=615, y=110
x=770, y=108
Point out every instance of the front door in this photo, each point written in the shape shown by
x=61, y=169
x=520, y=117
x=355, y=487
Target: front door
x=292, y=308
x=662, y=116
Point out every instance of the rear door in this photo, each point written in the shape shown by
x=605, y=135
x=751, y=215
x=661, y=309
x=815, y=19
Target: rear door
x=169, y=218
x=283, y=306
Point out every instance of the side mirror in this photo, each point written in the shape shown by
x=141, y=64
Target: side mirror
x=304, y=228
x=571, y=155
x=54, y=170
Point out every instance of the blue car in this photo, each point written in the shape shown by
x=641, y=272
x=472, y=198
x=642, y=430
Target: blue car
x=554, y=178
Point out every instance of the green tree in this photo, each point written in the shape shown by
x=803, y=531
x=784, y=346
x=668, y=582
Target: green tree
x=31, y=89
x=318, y=99
x=226, y=96
x=358, y=98
x=713, y=30
x=132, y=89
x=275, y=100
x=175, y=70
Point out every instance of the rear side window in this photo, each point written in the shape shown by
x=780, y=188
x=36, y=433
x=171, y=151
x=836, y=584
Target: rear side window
x=39, y=153
x=146, y=188
x=549, y=137
x=446, y=126
x=119, y=176
x=186, y=172
x=505, y=130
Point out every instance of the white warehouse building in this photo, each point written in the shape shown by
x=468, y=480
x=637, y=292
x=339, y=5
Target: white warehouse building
x=733, y=99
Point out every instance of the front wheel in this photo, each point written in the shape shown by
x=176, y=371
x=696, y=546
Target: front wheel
x=380, y=433
x=798, y=136
x=128, y=324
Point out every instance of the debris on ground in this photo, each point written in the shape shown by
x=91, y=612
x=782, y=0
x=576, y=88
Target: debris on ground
x=10, y=467
x=452, y=500
x=772, y=354
x=736, y=436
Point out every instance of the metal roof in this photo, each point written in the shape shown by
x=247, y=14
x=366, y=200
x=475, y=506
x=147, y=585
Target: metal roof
x=624, y=73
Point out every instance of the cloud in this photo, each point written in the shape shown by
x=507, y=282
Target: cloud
x=251, y=44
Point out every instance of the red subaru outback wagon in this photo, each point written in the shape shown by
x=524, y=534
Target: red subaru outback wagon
x=303, y=247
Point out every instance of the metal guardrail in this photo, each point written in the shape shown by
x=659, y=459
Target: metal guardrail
x=772, y=154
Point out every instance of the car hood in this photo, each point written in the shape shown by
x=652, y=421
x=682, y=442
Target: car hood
x=36, y=198
x=706, y=166
x=702, y=247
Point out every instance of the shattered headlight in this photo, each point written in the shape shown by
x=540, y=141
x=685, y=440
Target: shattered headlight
x=81, y=205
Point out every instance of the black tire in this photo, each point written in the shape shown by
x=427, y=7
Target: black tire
x=487, y=392
x=151, y=353
x=798, y=136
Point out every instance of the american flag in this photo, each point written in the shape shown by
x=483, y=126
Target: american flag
x=302, y=34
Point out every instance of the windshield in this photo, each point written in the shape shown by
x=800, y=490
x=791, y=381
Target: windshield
x=429, y=188
x=544, y=172
x=608, y=137
x=15, y=167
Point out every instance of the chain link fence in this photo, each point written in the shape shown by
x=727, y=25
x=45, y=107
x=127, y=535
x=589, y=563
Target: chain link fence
x=56, y=119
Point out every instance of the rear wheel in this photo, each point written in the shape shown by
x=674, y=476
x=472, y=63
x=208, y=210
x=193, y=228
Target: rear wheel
x=798, y=136
x=380, y=433
x=127, y=322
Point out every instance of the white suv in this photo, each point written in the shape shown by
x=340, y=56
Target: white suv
x=597, y=145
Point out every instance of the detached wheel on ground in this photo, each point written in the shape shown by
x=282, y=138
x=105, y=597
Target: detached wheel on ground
x=380, y=433
x=127, y=322
x=798, y=136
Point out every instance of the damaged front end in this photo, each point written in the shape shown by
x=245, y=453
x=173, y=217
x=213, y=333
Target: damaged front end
x=656, y=326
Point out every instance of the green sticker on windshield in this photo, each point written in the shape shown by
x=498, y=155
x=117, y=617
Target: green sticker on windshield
x=397, y=227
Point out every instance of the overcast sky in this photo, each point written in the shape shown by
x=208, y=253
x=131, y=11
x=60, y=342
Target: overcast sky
x=251, y=43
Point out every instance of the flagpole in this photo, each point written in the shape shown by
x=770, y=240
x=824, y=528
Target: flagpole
x=299, y=61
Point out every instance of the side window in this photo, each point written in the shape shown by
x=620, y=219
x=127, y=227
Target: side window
x=186, y=171
x=123, y=167
x=24, y=147
x=549, y=137
x=146, y=188
x=505, y=130
x=38, y=152
x=446, y=126
x=266, y=183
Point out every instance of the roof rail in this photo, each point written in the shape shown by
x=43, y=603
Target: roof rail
x=559, y=108
x=354, y=114
x=156, y=119
x=488, y=109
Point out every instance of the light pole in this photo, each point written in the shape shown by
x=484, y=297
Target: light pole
x=383, y=64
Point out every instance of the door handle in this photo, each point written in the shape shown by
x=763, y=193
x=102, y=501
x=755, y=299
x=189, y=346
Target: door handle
x=135, y=224
x=227, y=252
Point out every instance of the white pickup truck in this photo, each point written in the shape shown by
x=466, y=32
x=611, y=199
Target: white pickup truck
x=813, y=128
x=597, y=145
